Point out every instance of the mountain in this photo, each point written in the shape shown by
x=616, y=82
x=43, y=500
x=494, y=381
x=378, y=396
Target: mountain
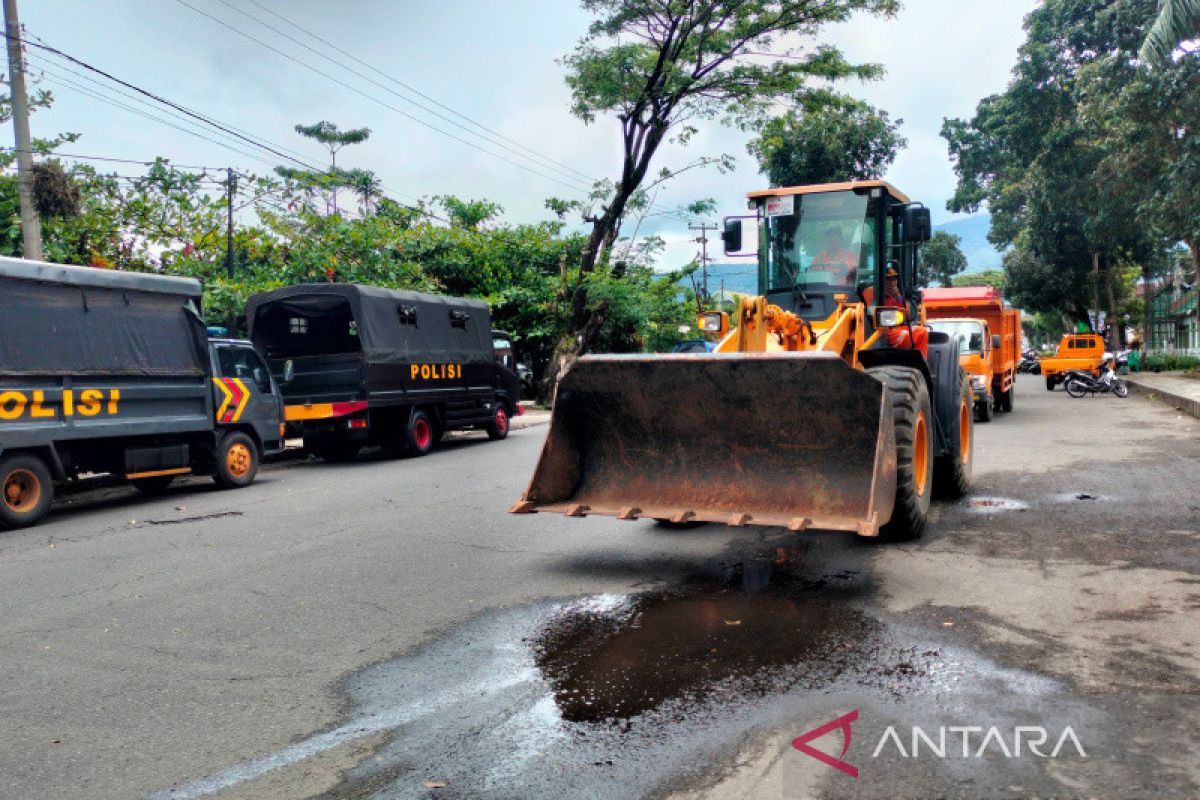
x=980, y=253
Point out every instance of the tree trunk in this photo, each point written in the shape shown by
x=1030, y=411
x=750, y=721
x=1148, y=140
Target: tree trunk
x=1116, y=333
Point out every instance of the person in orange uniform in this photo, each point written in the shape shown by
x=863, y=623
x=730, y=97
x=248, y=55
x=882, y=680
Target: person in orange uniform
x=905, y=336
x=836, y=258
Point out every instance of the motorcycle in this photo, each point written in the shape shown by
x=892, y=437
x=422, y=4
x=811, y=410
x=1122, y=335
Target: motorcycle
x=1031, y=363
x=1078, y=383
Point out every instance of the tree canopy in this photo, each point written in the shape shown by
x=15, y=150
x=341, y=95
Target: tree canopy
x=941, y=259
x=1036, y=155
x=832, y=137
x=660, y=67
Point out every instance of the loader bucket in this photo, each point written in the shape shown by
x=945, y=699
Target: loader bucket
x=800, y=440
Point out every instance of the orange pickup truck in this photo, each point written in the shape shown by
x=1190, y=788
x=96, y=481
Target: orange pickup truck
x=1082, y=351
x=990, y=343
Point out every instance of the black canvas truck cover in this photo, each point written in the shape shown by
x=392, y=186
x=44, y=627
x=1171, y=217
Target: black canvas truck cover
x=390, y=326
x=81, y=321
x=384, y=331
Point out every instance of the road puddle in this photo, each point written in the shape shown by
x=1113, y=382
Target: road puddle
x=714, y=636
x=606, y=696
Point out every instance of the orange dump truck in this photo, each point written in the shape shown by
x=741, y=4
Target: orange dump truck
x=989, y=337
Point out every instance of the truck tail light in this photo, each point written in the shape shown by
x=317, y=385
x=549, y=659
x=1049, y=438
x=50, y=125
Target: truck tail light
x=357, y=423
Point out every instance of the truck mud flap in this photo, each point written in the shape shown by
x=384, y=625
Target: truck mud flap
x=800, y=440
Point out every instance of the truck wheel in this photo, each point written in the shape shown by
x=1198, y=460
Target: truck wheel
x=152, y=486
x=952, y=472
x=1050, y=383
x=418, y=437
x=237, y=461
x=984, y=410
x=498, y=427
x=1006, y=400
x=912, y=415
x=26, y=490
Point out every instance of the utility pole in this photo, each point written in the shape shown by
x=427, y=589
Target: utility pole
x=231, y=188
x=704, y=228
x=31, y=229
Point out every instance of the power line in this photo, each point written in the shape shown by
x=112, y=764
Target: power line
x=159, y=99
x=372, y=98
x=65, y=82
x=414, y=90
x=84, y=76
x=491, y=138
x=168, y=162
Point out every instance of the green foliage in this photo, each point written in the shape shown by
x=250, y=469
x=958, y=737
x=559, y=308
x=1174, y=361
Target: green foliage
x=1168, y=363
x=327, y=183
x=334, y=139
x=1177, y=21
x=833, y=137
x=36, y=99
x=659, y=66
x=988, y=277
x=941, y=259
x=469, y=214
x=1035, y=155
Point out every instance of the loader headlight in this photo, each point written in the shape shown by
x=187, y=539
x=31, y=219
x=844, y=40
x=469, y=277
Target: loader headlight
x=889, y=317
x=713, y=322
x=978, y=382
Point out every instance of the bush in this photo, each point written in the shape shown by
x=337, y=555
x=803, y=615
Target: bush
x=1169, y=363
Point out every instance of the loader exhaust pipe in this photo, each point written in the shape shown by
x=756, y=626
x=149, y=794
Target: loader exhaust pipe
x=800, y=440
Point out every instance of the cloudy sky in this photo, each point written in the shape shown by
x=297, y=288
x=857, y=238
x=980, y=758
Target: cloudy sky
x=493, y=62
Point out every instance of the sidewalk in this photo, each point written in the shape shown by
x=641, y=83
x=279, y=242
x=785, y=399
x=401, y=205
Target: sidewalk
x=1171, y=387
x=536, y=416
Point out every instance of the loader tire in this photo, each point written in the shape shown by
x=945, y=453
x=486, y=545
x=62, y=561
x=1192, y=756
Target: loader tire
x=912, y=415
x=952, y=472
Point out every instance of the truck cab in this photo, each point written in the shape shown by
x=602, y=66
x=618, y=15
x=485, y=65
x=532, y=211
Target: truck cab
x=974, y=356
x=245, y=394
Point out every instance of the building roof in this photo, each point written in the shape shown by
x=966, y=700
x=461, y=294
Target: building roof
x=819, y=188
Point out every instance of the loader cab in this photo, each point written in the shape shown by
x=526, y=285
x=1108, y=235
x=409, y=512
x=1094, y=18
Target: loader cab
x=816, y=242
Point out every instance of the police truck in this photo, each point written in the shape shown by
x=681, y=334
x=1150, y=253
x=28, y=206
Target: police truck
x=110, y=373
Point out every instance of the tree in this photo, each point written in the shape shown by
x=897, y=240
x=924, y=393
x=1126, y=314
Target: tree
x=989, y=277
x=1034, y=156
x=367, y=187
x=941, y=259
x=1152, y=125
x=658, y=66
x=833, y=138
x=334, y=140
x=1177, y=21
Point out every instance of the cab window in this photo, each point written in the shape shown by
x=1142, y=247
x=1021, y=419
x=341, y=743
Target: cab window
x=244, y=363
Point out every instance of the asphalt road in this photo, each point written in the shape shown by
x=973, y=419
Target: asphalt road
x=385, y=629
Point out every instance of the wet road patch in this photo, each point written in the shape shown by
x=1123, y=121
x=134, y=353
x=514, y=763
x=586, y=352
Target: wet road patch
x=611, y=695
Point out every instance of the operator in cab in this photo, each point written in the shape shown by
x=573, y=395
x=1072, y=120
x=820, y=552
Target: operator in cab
x=904, y=337
x=836, y=258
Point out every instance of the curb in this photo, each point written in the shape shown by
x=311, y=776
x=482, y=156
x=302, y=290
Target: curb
x=1187, y=405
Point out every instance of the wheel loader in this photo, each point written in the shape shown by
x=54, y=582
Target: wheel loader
x=821, y=408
